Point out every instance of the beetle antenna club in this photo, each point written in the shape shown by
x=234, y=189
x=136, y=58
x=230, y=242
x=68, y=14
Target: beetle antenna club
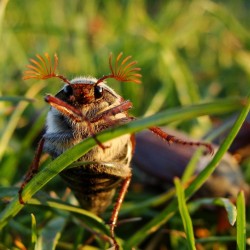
x=43, y=69
x=123, y=71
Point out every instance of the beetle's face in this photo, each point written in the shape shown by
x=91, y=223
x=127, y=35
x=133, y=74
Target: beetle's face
x=84, y=95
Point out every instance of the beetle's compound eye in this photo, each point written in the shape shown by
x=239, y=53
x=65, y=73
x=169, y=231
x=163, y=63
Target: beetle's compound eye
x=68, y=90
x=98, y=92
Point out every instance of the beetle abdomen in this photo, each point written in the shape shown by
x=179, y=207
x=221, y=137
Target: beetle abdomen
x=95, y=183
x=93, y=189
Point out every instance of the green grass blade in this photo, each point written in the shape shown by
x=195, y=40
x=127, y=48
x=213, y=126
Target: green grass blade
x=33, y=231
x=198, y=182
x=186, y=219
x=15, y=117
x=50, y=234
x=191, y=166
x=230, y=209
x=241, y=222
x=90, y=219
x=167, y=213
x=222, y=202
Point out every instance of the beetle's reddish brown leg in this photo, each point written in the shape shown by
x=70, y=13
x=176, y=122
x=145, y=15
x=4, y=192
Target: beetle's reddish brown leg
x=32, y=169
x=172, y=139
x=124, y=106
x=114, y=216
x=65, y=108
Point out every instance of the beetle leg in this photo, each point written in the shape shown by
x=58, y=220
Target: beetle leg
x=172, y=139
x=114, y=216
x=124, y=106
x=66, y=109
x=32, y=169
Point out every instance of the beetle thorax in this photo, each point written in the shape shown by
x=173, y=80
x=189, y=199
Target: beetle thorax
x=89, y=102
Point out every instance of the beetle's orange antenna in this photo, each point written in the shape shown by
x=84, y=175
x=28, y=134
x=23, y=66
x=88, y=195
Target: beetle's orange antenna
x=122, y=71
x=43, y=68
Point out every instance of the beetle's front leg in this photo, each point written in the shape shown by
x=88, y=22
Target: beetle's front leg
x=121, y=108
x=32, y=169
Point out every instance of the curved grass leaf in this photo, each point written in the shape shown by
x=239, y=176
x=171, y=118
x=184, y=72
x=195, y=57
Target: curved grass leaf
x=91, y=220
x=230, y=208
x=33, y=231
x=241, y=222
x=72, y=154
x=186, y=219
x=191, y=166
x=222, y=202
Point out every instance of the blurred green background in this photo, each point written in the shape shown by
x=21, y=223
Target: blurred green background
x=189, y=52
